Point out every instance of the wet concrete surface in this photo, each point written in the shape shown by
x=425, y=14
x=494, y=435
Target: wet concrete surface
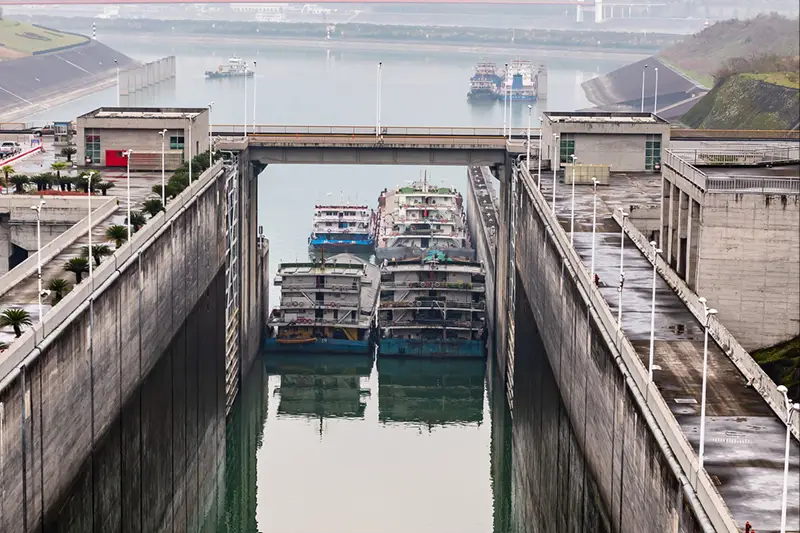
x=24, y=294
x=744, y=448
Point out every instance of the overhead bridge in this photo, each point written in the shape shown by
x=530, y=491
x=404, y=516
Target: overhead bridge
x=364, y=145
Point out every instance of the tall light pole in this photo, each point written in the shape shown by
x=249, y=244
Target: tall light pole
x=163, y=134
x=707, y=315
x=378, y=102
x=594, y=221
x=89, y=188
x=128, y=154
x=557, y=157
x=655, y=94
x=117, y=65
x=510, y=106
x=644, y=70
x=210, y=147
x=656, y=251
x=528, y=160
x=572, y=212
x=255, y=86
x=191, y=126
x=38, y=209
x=789, y=408
x=624, y=217
x=505, y=101
x=244, y=126
x=539, y=157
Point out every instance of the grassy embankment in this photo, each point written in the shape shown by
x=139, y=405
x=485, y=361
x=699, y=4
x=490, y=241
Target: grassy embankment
x=26, y=39
x=782, y=364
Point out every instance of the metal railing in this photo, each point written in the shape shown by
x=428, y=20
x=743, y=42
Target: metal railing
x=732, y=155
x=753, y=184
x=682, y=167
x=443, y=286
x=408, y=131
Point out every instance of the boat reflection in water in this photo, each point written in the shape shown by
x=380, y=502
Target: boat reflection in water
x=321, y=386
x=431, y=391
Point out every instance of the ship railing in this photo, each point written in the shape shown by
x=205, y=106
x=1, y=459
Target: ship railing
x=436, y=304
x=304, y=305
x=423, y=323
x=433, y=285
x=326, y=286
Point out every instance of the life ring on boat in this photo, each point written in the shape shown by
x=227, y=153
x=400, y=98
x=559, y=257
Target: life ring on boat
x=333, y=304
x=436, y=284
x=428, y=284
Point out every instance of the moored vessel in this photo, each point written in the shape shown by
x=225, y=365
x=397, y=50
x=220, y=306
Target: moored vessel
x=236, y=67
x=326, y=306
x=343, y=228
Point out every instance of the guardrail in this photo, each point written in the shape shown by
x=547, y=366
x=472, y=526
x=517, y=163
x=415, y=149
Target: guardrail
x=685, y=133
x=14, y=276
x=658, y=416
x=685, y=169
x=731, y=156
x=735, y=352
x=267, y=129
x=753, y=184
x=22, y=350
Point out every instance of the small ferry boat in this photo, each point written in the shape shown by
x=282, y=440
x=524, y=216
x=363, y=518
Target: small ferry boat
x=326, y=306
x=421, y=216
x=236, y=67
x=432, y=306
x=342, y=228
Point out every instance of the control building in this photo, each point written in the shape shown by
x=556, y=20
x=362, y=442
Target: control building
x=107, y=132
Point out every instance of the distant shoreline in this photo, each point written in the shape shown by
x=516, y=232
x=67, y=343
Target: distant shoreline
x=410, y=46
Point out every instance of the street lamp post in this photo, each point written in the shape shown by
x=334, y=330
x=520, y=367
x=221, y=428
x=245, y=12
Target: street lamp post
x=594, y=222
x=378, y=103
x=510, y=107
x=539, y=156
x=117, y=65
x=572, y=211
x=656, y=251
x=191, y=126
x=624, y=217
x=644, y=70
x=210, y=147
x=38, y=209
x=655, y=94
x=505, y=101
x=244, y=126
x=89, y=188
x=128, y=154
x=163, y=134
x=789, y=408
x=255, y=86
x=707, y=313
x=557, y=157
x=530, y=110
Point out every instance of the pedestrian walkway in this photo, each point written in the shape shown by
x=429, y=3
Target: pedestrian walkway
x=744, y=443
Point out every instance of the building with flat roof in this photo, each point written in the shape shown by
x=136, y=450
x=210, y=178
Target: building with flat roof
x=107, y=132
x=733, y=234
x=628, y=142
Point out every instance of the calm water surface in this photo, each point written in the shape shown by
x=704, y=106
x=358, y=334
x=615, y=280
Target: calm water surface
x=333, y=445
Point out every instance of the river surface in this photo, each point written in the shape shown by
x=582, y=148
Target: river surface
x=353, y=445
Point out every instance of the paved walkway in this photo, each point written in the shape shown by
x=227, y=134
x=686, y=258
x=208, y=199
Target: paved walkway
x=744, y=446
x=24, y=295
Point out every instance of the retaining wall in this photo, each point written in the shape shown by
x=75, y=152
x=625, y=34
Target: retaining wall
x=65, y=381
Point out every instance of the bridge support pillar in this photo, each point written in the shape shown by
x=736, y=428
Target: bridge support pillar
x=598, y=11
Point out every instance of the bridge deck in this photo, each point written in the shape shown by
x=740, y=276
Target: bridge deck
x=744, y=439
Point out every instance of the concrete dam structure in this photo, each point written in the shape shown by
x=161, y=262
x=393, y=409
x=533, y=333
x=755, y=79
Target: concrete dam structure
x=79, y=406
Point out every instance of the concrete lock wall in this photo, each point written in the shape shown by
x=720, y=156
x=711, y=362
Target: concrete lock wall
x=72, y=375
x=749, y=265
x=646, y=472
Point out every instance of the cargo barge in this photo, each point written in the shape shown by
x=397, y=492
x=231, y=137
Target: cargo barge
x=342, y=229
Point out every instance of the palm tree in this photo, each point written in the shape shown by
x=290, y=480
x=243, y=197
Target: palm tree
x=77, y=265
x=59, y=286
x=68, y=152
x=118, y=234
x=98, y=252
x=58, y=166
x=82, y=181
x=19, y=181
x=7, y=171
x=137, y=221
x=104, y=186
x=42, y=181
x=152, y=206
x=16, y=318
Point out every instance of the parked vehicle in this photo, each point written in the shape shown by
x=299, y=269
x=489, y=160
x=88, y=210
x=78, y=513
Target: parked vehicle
x=10, y=148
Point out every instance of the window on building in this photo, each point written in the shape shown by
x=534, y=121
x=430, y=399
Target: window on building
x=176, y=142
x=567, y=148
x=93, y=147
x=652, y=152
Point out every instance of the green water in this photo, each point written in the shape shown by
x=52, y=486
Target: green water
x=335, y=444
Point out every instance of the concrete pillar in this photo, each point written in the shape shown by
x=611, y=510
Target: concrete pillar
x=579, y=12
x=678, y=234
x=669, y=223
x=688, y=258
x=598, y=11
